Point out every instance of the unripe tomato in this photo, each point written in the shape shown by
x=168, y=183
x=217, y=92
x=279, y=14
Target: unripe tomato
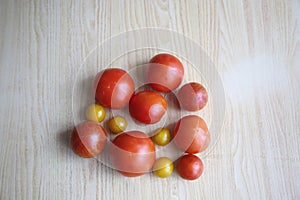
x=88, y=139
x=189, y=167
x=162, y=137
x=165, y=72
x=117, y=124
x=95, y=112
x=113, y=88
x=163, y=167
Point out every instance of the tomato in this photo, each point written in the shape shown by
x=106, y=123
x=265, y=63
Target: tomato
x=162, y=137
x=147, y=107
x=95, y=112
x=165, y=72
x=117, y=124
x=163, y=167
x=191, y=134
x=189, y=167
x=88, y=139
x=113, y=88
x=192, y=96
x=132, y=153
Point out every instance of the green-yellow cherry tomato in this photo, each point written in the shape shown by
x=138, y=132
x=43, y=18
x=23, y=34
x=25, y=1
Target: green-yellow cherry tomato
x=162, y=137
x=95, y=112
x=117, y=124
x=163, y=167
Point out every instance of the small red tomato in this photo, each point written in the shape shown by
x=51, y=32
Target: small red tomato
x=147, y=107
x=88, y=139
x=113, y=88
x=191, y=134
x=189, y=167
x=132, y=153
x=165, y=72
x=192, y=96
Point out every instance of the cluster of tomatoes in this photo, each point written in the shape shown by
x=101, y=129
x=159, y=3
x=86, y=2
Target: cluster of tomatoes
x=132, y=153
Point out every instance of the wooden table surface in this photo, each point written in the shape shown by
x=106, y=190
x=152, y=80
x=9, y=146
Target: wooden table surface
x=254, y=46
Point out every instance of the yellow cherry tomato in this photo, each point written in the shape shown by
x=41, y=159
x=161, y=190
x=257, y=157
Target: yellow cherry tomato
x=163, y=167
x=117, y=124
x=95, y=112
x=162, y=137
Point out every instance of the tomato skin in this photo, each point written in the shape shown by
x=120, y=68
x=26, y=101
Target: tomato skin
x=113, y=88
x=189, y=167
x=192, y=96
x=191, y=134
x=165, y=72
x=161, y=137
x=88, y=139
x=132, y=153
x=163, y=167
x=95, y=112
x=117, y=124
x=147, y=107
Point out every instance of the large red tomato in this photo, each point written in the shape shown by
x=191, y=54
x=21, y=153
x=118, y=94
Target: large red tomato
x=192, y=96
x=113, y=88
x=132, y=153
x=191, y=134
x=189, y=167
x=88, y=139
x=147, y=107
x=165, y=72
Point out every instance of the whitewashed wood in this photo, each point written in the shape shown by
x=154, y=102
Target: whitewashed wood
x=255, y=45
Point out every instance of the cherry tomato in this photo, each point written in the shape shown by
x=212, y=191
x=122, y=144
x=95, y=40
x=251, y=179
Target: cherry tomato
x=189, y=167
x=132, y=153
x=147, y=107
x=162, y=137
x=117, y=124
x=88, y=139
x=113, y=88
x=95, y=112
x=191, y=134
x=192, y=96
x=165, y=72
x=163, y=167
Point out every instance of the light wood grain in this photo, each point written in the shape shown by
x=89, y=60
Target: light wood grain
x=254, y=44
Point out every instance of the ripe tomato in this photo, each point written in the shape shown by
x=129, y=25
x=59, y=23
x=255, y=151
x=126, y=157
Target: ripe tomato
x=165, y=72
x=132, y=153
x=161, y=137
x=191, y=134
x=117, y=124
x=163, y=167
x=95, y=112
x=113, y=88
x=147, y=107
x=88, y=139
x=189, y=167
x=192, y=96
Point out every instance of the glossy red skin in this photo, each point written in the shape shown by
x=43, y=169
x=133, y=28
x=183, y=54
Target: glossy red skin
x=192, y=96
x=191, y=134
x=189, y=167
x=132, y=153
x=113, y=88
x=165, y=72
x=147, y=107
x=88, y=139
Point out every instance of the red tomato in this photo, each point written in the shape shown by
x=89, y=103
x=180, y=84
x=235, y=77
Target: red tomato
x=88, y=139
x=165, y=72
x=132, y=153
x=191, y=134
x=113, y=88
x=189, y=167
x=192, y=96
x=147, y=107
